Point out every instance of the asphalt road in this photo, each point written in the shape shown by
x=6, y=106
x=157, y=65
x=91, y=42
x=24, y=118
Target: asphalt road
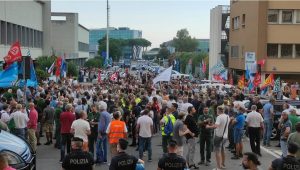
x=48, y=156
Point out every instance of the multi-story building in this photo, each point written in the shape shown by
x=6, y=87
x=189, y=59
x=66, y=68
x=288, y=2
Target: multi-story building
x=69, y=38
x=203, y=45
x=120, y=33
x=27, y=22
x=269, y=30
x=219, y=36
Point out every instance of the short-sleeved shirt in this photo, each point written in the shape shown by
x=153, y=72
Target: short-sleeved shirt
x=268, y=107
x=145, y=123
x=285, y=125
x=203, y=130
x=49, y=115
x=172, y=161
x=191, y=125
x=123, y=161
x=81, y=127
x=254, y=119
x=294, y=120
x=66, y=120
x=178, y=127
x=78, y=160
x=221, y=122
x=240, y=121
x=288, y=163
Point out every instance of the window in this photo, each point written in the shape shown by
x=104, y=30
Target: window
x=9, y=33
x=234, y=51
x=244, y=20
x=272, y=50
x=273, y=16
x=83, y=46
x=287, y=16
x=14, y=33
x=3, y=33
x=235, y=23
x=298, y=16
x=297, y=50
x=23, y=36
x=286, y=50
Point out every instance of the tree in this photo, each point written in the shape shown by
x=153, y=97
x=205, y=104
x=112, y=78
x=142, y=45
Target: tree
x=96, y=62
x=115, y=47
x=72, y=70
x=163, y=53
x=183, y=42
x=41, y=74
x=44, y=62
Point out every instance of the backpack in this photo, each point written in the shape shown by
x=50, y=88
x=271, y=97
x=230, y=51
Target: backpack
x=168, y=127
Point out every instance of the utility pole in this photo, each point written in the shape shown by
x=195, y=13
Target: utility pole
x=107, y=35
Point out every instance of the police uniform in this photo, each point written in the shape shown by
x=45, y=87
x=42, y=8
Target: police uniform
x=287, y=163
x=78, y=160
x=172, y=161
x=123, y=161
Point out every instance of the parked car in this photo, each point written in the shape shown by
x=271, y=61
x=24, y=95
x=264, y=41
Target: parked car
x=19, y=152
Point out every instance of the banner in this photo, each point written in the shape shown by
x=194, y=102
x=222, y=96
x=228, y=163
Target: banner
x=50, y=70
x=241, y=83
x=277, y=85
x=63, y=68
x=249, y=59
x=58, y=66
x=14, y=54
x=114, y=77
x=268, y=82
x=163, y=76
x=257, y=80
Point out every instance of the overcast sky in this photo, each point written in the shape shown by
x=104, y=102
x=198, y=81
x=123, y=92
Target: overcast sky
x=158, y=19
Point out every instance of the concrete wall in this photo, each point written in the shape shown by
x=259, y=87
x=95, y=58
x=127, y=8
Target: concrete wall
x=83, y=35
x=215, y=37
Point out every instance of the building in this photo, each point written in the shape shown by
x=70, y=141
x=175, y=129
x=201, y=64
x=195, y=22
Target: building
x=219, y=36
x=203, y=45
x=69, y=38
x=269, y=30
x=120, y=33
x=27, y=22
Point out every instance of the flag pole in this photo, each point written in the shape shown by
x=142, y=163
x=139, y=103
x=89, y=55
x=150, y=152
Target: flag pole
x=107, y=33
x=25, y=81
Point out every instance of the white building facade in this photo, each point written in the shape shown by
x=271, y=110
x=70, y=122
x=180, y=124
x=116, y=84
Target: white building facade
x=27, y=22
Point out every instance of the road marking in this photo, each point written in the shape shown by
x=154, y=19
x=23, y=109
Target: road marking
x=276, y=154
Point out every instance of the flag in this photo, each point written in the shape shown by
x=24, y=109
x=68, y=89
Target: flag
x=50, y=70
x=261, y=62
x=14, y=54
x=277, y=85
x=268, y=82
x=257, y=80
x=163, y=76
x=203, y=66
x=247, y=73
x=241, y=83
x=63, y=68
x=58, y=66
x=230, y=78
x=114, y=76
x=264, y=91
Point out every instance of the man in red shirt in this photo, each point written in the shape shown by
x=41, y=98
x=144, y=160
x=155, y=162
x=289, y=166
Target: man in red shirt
x=66, y=120
x=32, y=126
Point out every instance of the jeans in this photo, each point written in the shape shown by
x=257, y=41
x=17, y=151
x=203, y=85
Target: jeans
x=65, y=142
x=92, y=140
x=165, y=141
x=145, y=142
x=191, y=151
x=101, y=149
x=283, y=146
x=230, y=137
x=268, y=130
x=254, y=136
x=57, y=136
x=20, y=132
x=205, y=140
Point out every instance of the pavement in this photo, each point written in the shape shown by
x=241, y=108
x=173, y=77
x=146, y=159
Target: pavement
x=48, y=156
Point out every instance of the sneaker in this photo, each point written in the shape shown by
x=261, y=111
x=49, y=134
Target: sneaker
x=201, y=163
x=207, y=163
x=223, y=167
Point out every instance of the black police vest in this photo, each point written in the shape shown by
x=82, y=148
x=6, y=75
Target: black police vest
x=290, y=163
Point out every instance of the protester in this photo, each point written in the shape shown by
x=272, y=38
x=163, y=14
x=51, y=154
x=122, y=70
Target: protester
x=78, y=159
x=180, y=130
x=123, y=161
x=48, y=121
x=268, y=114
x=172, y=161
x=20, y=119
x=167, y=124
x=239, y=123
x=32, y=126
x=93, y=118
x=295, y=138
x=58, y=111
x=285, y=126
x=250, y=161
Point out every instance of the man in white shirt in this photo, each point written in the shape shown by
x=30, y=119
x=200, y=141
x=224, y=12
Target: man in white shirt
x=221, y=135
x=4, y=114
x=184, y=107
x=81, y=129
x=145, y=131
x=20, y=119
x=255, y=125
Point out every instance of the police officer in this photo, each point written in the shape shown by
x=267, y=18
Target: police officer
x=123, y=161
x=78, y=159
x=289, y=162
x=172, y=161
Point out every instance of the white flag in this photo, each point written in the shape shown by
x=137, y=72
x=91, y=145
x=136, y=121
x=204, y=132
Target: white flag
x=50, y=70
x=163, y=76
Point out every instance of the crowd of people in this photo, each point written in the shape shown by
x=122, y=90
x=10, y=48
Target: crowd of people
x=88, y=121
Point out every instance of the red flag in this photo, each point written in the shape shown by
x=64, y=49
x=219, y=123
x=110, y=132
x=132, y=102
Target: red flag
x=203, y=66
x=257, y=80
x=241, y=83
x=114, y=76
x=268, y=82
x=261, y=62
x=230, y=79
x=14, y=54
x=58, y=66
x=99, y=76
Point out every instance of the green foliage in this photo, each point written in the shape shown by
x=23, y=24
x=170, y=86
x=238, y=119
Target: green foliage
x=41, y=74
x=195, y=56
x=72, y=69
x=96, y=62
x=163, y=53
x=183, y=42
x=44, y=62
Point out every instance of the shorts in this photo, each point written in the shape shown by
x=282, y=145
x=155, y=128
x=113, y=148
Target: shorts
x=48, y=127
x=237, y=135
x=219, y=144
